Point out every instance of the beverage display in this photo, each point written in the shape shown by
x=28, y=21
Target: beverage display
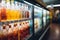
x=37, y=18
x=13, y=10
x=24, y=31
x=36, y=24
x=10, y=12
x=48, y=16
x=44, y=17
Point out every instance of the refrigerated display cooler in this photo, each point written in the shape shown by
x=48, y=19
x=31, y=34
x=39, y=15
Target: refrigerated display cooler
x=48, y=16
x=37, y=18
x=44, y=17
x=15, y=20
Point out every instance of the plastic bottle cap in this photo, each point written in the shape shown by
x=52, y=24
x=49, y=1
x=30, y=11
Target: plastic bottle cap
x=15, y=25
x=9, y=26
x=4, y=27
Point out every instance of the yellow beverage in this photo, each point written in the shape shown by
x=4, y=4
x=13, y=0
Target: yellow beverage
x=8, y=14
x=12, y=14
x=16, y=14
x=19, y=14
x=8, y=10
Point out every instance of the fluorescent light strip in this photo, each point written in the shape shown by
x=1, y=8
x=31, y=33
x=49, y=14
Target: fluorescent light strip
x=32, y=4
x=56, y=5
x=53, y=5
x=28, y=3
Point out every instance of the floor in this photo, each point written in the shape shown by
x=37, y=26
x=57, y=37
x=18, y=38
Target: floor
x=53, y=33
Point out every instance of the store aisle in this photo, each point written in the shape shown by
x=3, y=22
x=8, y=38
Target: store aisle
x=53, y=33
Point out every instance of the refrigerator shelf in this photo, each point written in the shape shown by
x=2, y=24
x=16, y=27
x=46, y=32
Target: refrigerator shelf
x=37, y=17
x=13, y=21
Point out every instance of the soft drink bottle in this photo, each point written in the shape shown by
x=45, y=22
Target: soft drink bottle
x=19, y=27
x=10, y=33
x=8, y=10
x=20, y=10
x=27, y=14
x=4, y=33
x=27, y=27
x=15, y=32
x=22, y=31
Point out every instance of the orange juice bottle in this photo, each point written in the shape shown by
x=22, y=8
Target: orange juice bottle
x=12, y=10
x=23, y=11
x=17, y=11
x=8, y=9
x=20, y=10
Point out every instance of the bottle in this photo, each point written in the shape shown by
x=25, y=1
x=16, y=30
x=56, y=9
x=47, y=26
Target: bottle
x=27, y=28
x=4, y=33
x=36, y=25
x=26, y=11
x=15, y=31
x=10, y=32
x=24, y=30
x=8, y=10
x=20, y=10
x=3, y=11
x=21, y=31
x=19, y=27
x=23, y=11
x=27, y=14
x=12, y=10
x=17, y=11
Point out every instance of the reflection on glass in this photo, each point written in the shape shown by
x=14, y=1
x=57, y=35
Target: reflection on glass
x=37, y=18
x=44, y=17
